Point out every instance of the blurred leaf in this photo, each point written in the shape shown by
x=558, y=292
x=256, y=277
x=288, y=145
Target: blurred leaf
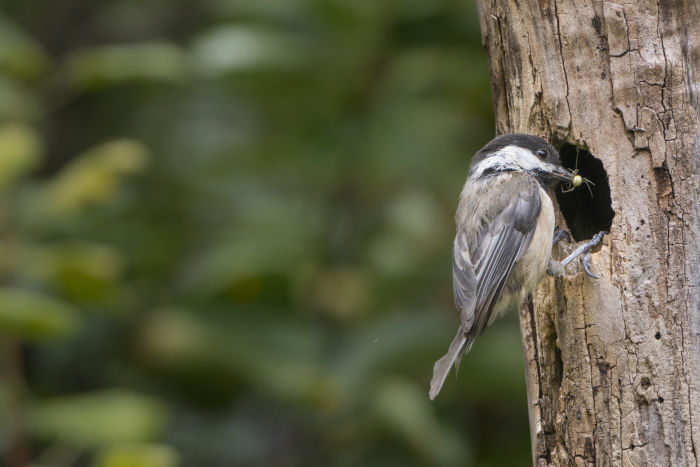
x=137, y=455
x=84, y=272
x=21, y=149
x=18, y=102
x=20, y=55
x=95, y=68
x=98, y=419
x=34, y=316
x=229, y=49
x=93, y=177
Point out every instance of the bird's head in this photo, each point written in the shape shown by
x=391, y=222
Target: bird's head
x=520, y=153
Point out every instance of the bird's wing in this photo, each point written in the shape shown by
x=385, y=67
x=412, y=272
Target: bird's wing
x=482, y=263
x=478, y=283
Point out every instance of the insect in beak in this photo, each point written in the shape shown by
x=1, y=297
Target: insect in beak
x=576, y=180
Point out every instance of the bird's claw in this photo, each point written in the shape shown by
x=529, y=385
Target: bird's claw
x=597, y=238
x=587, y=264
x=585, y=250
x=593, y=242
x=559, y=235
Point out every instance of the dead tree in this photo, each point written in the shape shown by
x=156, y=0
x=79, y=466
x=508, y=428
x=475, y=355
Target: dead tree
x=613, y=365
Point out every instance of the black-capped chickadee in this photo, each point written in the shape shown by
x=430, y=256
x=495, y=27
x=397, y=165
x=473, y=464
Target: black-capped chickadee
x=505, y=232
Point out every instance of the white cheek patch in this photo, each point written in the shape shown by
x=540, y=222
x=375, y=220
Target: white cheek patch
x=513, y=158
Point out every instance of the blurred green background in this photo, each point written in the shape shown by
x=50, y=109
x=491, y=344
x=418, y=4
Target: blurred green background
x=225, y=236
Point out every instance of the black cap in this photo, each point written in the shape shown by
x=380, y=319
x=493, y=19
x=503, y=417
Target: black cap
x=533, y=143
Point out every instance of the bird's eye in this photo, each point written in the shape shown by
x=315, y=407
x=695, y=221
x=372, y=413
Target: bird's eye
x=542, y=154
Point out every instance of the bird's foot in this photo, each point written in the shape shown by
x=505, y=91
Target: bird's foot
x=559, y=235
x=585, y=250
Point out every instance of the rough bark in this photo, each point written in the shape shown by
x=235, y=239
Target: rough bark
x=613, y=365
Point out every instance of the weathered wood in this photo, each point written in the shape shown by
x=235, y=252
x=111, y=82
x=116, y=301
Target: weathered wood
x=613, y=365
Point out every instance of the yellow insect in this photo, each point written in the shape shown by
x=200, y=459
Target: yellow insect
x=577, y=180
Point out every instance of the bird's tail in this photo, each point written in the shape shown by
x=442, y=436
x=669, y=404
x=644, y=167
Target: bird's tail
x=459, y=346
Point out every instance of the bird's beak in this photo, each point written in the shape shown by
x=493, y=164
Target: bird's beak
x=561, y=174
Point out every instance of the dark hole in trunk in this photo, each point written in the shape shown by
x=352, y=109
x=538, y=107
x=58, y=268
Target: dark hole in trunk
x=586, y=212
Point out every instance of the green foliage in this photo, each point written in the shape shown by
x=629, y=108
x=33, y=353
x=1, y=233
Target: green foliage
x=95, y=68
x=82, y=272
x=20, y=151
x=225, y=235
x=35, y=316
x=93, y=177
x=137, y=455
x=233, y=49
x=21, y=56
x=97, y=419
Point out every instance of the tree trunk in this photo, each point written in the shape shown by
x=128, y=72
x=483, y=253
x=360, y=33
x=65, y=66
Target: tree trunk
x=613, y=365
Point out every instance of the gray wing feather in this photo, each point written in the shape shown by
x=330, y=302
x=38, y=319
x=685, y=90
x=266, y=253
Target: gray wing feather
x=464, y=280
x=480, y=271
x=500, y=248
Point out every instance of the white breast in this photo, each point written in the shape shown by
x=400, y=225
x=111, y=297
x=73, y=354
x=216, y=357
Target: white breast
x=533, y=265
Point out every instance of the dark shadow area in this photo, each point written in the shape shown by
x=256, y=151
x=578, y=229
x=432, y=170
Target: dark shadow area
x=587, y=212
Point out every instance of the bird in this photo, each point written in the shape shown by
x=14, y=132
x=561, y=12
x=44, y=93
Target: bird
x=505, y=232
